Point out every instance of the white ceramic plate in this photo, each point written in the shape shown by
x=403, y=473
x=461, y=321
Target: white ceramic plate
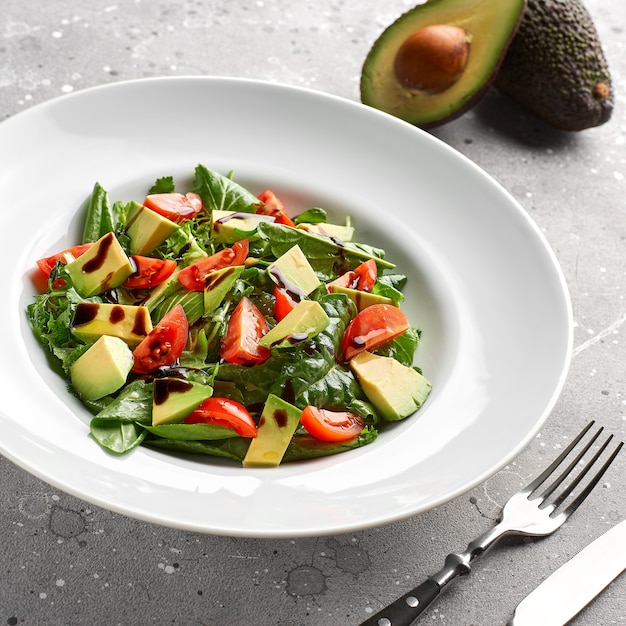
x=484, y=287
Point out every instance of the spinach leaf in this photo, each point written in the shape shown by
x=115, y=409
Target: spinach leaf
x=222, y=193
x=133, y=404
x=322, y=252
x=234, y=448
x=191, y=432
x=99, y=216
x=304, y=447
x=402, y=348
x=115, y=435
x=165, y=184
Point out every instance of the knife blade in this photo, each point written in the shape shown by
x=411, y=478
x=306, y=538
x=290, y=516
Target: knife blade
x=562, y=595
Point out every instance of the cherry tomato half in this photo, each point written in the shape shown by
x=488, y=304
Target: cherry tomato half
x=284, y=303
x=372, y=328
x=329, y=425
x=367, y=274
x=245, y=327
x=362, y=277
x=224, y=412
x=164, y=344
x=193, y=276
x=175, y=206
x=272, y=205
x=149, y=273
x=46, y=265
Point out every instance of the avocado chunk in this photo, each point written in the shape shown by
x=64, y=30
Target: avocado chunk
x=334, y=231
x=362, y=299
x=217, y=284
x=127, y=322
x=146, y=229
x=102, y=267
x=232, y=226
x=438, y=59
x=556, y=68
x=304, y=321
x=395, y=390
x=174, y=398
x=277, y=424
x=102, y=369
x=293, y=271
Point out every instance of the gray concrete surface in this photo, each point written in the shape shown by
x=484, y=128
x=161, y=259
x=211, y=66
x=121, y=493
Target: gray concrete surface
x=67, y=562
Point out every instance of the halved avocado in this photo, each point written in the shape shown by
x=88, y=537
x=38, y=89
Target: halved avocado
x=438, y=59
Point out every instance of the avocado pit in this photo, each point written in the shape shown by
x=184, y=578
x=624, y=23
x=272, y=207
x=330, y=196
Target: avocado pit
x=433, y=58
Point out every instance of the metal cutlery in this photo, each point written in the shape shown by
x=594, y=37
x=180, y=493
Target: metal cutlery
x=565, y=593
x=536, y=511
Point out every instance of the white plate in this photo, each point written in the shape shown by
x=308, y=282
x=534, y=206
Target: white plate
x=484, y=287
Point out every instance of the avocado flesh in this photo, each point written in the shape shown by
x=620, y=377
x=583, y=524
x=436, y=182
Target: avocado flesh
x=277, y=425
x=102, y=267
x=556, y=67
x=102, y=369
x=147, y=229
x=92, y=320
x=174, y=399
x=490, y=26
x=304, y=321
x=396, y=390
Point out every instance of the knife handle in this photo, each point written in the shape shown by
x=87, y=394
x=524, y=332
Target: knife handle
x=406, y=609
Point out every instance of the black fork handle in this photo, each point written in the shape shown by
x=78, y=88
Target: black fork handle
x=405, y=610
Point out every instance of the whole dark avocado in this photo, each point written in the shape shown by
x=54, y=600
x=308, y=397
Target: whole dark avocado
x=438, y=59
x=556, y=67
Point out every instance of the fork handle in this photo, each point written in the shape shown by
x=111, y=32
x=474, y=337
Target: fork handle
x=404, y=610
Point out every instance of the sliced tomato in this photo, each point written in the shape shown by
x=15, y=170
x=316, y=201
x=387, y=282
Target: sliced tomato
x=224, y=412
x=245, y=327
x=149, y=273
x=367, y=274
x=193, y=276
x=372, y=328
x=362, y=277
x=349, y=280
x=272, y=205
x=329, y=425
x=46, y=265
x=284, y=303
x=175, y=206
x=164, y=344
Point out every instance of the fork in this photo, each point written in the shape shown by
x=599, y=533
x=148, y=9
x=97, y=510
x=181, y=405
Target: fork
x=527, y=513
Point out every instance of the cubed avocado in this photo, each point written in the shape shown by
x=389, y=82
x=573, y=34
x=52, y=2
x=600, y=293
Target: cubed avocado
x=102, y=369
x=293, y=270
x=395, y=390
x=439, y=58
x=232, y=226
x=174, y=399
x=304, y=321
x=277, y=424
x=334, y=231
x=129, y=323
x=146, y=229
x=104, y=266
x=218, y=283
x=362, y=299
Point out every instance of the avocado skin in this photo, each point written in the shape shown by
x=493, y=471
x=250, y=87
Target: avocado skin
x=556, y=68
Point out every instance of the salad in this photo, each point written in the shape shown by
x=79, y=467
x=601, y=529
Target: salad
x=209, y=321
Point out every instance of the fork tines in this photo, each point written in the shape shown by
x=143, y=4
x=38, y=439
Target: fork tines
x=578, y=473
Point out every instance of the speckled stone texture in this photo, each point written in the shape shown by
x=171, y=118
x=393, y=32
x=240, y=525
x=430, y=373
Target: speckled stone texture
x=67, y=562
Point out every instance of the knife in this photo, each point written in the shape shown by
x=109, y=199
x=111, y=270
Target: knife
x=562, y=595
